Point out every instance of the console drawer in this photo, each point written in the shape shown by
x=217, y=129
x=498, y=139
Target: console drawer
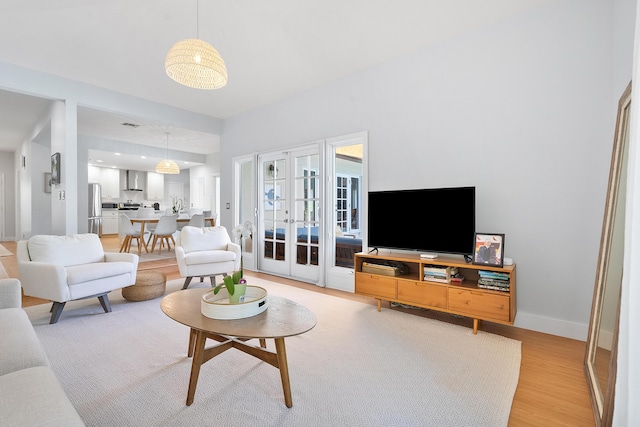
x=485, y=305
x=422, y=293
x=376, y=286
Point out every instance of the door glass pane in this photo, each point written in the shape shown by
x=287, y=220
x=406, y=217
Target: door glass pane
x=306, y=215
x=348, y=199
x=274, y=210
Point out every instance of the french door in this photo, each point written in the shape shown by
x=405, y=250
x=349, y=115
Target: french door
x=289, y=214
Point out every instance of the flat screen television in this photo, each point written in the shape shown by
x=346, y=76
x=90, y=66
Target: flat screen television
x=440, y=220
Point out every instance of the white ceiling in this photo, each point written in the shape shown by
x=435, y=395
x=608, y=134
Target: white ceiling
x=272, y=49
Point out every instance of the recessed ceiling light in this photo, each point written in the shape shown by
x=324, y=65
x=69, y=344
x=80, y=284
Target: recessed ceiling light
x=117, y=154
x=99, y=161
x=143, y=157
x=186, y=163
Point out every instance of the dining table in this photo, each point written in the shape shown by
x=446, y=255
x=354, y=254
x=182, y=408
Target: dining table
x=154, y=220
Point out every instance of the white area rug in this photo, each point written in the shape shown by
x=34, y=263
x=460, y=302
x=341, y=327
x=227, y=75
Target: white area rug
x=357, y=367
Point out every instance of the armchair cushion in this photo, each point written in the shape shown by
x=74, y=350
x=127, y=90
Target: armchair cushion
x=99, y=270
x=66, y=250
x=204, y=238
x=20, y=347
x=207, y=257
x=10, y=293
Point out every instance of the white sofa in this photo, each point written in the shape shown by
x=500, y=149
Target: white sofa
x=66, y=268
x=30, y=393
x=206, y=252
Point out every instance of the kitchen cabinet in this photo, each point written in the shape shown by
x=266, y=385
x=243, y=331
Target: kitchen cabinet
x=94, y=175
x=155, y=186
x=110, y=181
x=109, y=221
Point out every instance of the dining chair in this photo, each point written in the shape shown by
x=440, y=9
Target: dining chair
x=148, y=227
x=167, y=225
x=146, y=212
x=197, y=220
x=130, y=233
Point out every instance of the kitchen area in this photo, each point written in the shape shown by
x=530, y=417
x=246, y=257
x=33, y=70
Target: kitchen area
x=115, y=191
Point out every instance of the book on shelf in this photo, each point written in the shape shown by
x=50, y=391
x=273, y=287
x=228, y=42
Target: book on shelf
x=494, y=288
x=493, y=274
x=437, y=269
x=494, y=282
x=457, y=278
x=437, y=279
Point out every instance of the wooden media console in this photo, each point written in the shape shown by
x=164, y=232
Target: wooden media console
x=411, y=287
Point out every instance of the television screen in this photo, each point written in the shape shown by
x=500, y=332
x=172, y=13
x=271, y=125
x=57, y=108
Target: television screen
x=441, y=220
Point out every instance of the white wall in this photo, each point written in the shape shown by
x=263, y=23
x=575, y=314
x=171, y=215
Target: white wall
x=8, y=168
x=40, y=201
x=524, y=110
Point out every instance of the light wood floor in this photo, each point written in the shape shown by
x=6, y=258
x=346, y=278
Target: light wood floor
x=552, y=390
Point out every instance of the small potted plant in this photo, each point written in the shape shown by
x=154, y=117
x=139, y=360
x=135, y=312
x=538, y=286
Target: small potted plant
x=236, y=287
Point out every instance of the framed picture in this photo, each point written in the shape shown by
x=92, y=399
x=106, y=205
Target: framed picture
x=55, y=169
x=47, y=182
x=488, y=249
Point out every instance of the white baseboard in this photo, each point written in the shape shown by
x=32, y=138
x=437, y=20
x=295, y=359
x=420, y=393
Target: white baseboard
x=547, y=325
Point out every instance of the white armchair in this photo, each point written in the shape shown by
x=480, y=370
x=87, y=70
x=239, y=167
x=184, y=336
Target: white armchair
x=206, y=252
x=66, y=268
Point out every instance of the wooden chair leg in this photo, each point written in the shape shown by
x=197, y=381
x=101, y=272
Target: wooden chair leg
x=124, y=243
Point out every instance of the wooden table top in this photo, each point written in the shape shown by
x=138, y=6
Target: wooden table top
x=157, y=218
x=283, y=317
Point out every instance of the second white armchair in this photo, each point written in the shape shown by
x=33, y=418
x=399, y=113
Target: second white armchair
x=206, y=252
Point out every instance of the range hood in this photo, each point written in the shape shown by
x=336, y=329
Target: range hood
x=132, y=181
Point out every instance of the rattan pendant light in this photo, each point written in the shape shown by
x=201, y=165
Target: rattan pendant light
x=195, y=63
x=167, y=166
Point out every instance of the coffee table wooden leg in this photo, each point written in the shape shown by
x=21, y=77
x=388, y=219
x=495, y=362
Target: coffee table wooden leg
x=198, y=354
x=192, y=340
x=263, y=343
x=284, y=371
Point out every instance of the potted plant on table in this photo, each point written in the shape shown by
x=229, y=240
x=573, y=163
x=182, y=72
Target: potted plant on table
x=236, y=287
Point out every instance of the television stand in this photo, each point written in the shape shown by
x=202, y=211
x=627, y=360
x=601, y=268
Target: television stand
x=413, y=285
x=429, y=256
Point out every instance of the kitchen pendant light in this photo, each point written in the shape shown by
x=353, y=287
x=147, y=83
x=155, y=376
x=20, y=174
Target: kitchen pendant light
x=167, y=166
x=195, y=63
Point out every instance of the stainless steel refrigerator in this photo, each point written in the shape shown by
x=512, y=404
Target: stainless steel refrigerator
x=95, y=209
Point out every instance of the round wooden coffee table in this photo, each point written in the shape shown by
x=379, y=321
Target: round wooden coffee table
x=284, y=318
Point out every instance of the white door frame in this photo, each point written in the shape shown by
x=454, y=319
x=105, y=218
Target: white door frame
x=279, y=215
x=341, y=277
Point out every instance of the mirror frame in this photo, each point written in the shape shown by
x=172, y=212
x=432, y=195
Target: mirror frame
x=602, y=400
